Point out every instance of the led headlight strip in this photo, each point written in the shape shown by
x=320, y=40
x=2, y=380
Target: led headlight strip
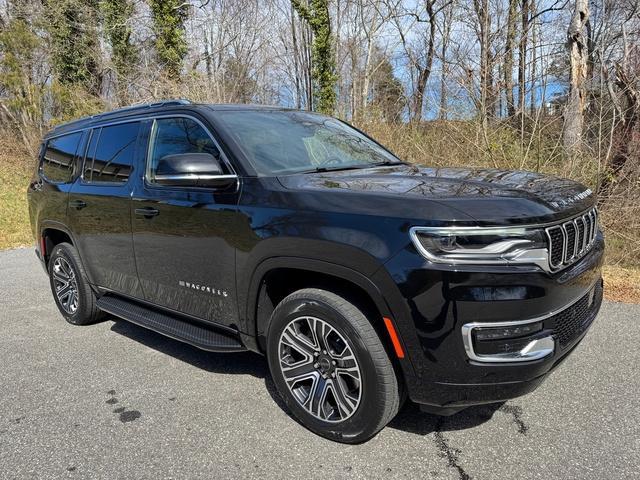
x=482, y=246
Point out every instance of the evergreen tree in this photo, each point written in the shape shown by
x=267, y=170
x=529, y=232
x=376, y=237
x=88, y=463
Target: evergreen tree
x=168, y=24
x=316, y=14
x=387, y=92
x=124, y=55
x=75, y=51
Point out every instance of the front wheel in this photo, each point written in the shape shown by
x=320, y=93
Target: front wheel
x=330, y=366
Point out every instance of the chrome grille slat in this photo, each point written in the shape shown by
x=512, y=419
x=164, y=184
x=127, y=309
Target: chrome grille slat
x=569, y=241
x=556, y=246
x=581, y=225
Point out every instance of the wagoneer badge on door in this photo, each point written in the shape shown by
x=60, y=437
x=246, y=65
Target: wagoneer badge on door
x=203, y=288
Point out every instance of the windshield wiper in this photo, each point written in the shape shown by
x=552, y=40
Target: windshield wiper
x=335, y=169
x=351, y=167
x=387, y=163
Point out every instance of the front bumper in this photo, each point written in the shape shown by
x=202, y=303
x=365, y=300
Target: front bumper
x=434, y=306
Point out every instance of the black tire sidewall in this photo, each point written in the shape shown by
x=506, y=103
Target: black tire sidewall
x=364, y=423
x=86, y=311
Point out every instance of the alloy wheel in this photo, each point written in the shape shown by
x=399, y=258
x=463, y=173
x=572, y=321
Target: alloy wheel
x=320, y=369
x=65, y=285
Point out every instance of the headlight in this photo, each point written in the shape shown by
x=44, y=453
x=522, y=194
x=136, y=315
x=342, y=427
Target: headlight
x=482, y=246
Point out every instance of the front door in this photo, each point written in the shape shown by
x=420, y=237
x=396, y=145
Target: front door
x=99, y=210
x=184, y=236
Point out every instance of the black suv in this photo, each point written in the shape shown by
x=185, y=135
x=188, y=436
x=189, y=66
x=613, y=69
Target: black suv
x=362, y=279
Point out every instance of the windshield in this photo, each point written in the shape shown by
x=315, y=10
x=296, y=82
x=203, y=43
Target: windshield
x=283, y=142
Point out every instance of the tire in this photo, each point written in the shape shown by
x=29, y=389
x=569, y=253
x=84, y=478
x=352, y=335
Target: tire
x=70, y=288
x=353, y=410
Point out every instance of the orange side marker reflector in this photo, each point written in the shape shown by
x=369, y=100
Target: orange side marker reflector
x=394, y=337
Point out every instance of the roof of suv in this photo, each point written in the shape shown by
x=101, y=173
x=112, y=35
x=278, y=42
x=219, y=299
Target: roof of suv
x=150, y=108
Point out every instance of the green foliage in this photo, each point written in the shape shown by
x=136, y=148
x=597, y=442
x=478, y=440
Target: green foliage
x=116, y=16
x=18, y=45
x=75, y=46
x=387, y=92
x=68, y=103
x=168, y=25
x=316, y=14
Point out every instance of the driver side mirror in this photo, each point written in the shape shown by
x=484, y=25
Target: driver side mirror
x=192, y=170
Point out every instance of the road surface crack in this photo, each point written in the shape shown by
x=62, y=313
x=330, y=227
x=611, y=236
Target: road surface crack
x=448, y=452
x=516, y=413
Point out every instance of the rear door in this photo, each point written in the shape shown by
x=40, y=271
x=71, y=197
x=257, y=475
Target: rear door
x=185, y=238
x=49, y=191
x=99, y=207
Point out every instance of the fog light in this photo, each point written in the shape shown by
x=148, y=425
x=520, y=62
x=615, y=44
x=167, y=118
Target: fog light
x=507, y=341
x=484, y=334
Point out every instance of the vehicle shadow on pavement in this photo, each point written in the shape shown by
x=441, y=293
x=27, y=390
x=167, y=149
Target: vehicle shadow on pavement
x=240, y=363
x=410, y=419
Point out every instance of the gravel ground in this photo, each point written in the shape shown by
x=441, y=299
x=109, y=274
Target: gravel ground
x=116, y=401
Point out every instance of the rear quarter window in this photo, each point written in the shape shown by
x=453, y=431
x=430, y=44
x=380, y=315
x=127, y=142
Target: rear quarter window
x=59, y=155
x=111, y=153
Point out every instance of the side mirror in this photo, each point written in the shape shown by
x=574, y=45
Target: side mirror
x=192, y=170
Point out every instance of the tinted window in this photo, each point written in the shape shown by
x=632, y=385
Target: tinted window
x=172, y=136
x=57, y=162
x=111, y=153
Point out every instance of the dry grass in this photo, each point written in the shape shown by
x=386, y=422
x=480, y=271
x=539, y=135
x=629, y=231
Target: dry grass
x=451, y=144
x=622, y=284
x=15, y=172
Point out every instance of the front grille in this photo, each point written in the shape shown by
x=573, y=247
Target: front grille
x=571, y=240
x=573, y=321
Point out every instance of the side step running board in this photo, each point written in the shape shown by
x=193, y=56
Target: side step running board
x=194, y=334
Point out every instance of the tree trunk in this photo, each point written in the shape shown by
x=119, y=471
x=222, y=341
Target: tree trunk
x=446, y=37
x=484, y=21
x=425, y=72
x=296, y=59
x=533, y=100
x=578, y=58
x=508, y=56
x=522, y=58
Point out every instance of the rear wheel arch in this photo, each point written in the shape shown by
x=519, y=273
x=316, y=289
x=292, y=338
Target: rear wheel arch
x=52, y=235
x=55, y=233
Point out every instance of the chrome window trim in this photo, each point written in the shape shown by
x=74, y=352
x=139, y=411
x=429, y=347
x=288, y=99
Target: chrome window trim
x=193, y=176
x=144, y=118
x=536, y=353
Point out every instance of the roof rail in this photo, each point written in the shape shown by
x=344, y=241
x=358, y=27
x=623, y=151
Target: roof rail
x=143, y=106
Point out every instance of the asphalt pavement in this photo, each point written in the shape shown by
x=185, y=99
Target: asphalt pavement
x=114, y=400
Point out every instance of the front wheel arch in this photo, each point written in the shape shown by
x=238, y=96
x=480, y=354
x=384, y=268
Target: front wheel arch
x=292, y=273
x=296, y=274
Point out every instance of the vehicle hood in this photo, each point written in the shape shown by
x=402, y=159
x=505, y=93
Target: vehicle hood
x=489, y=196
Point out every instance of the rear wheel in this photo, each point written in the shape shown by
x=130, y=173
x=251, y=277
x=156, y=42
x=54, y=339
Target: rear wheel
x=70, y=286
x=330, y=366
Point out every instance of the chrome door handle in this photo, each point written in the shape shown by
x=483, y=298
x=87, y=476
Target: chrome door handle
x=77, y=204
x=147, y=212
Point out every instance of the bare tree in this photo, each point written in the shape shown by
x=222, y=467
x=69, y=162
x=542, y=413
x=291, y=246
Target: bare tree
x=578, y=59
